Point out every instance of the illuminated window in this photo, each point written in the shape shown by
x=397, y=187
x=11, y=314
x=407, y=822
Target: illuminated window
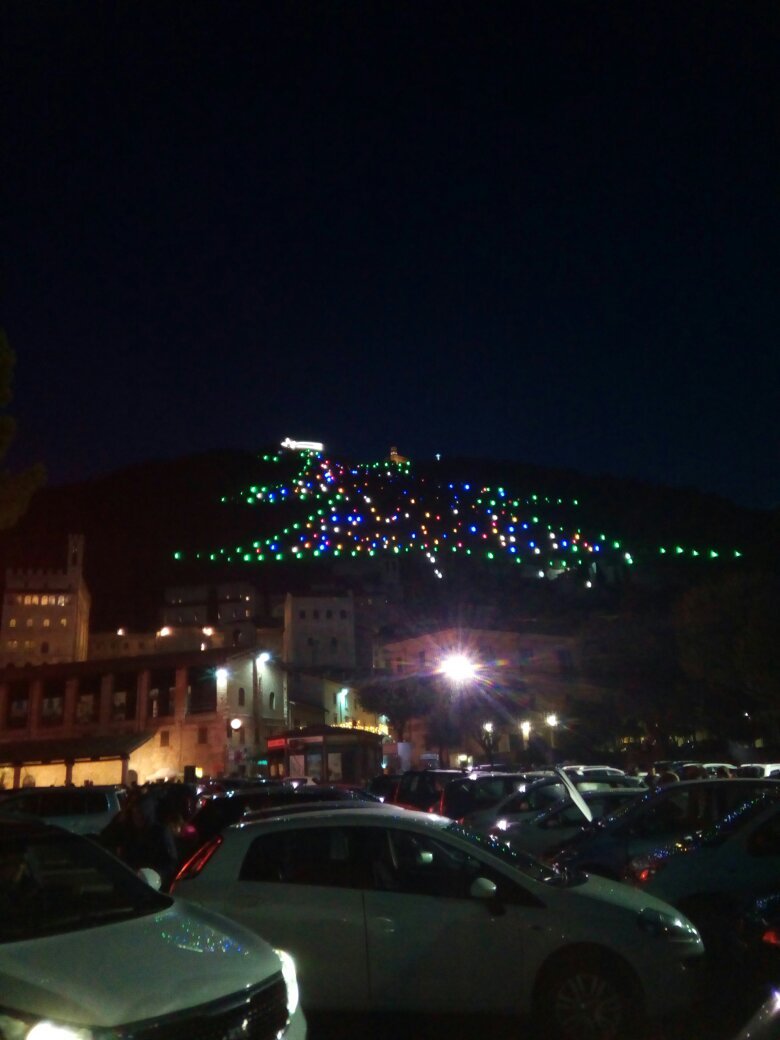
x=46, y=622
x=64, y=622
x=12, y=623
x=27, y=600
x=29, y=622
x=13, y=644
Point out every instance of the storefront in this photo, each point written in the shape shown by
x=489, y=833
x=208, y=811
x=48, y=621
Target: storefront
x=327, y=754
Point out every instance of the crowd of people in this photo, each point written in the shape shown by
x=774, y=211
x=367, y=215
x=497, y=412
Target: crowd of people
x=152, y=830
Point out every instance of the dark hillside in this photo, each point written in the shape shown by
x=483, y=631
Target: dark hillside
x=136, y=519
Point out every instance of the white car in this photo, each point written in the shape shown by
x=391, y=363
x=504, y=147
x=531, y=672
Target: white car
x=538, y=835
x=88, y=949
x=411, y=912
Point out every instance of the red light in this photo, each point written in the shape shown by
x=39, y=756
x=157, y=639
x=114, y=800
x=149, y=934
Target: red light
x=644, y=875
x=771, y=937
x=198, y=860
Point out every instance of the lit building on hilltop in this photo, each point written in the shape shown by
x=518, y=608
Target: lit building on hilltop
x=45, y=616
x=319, y=631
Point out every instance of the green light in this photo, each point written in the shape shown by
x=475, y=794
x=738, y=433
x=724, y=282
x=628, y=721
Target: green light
x=177, y=556
x=713, y=554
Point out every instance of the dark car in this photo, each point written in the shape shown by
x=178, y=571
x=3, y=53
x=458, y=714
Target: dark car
x=422, y=788
x=670, y=813
x=756, y=941
x=222, y=810
x=383, y=786
x=539, y=834
x=481, y=790
x=83, y=810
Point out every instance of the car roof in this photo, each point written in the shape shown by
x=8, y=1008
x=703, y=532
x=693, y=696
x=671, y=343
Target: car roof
x=350, y=813
x=315, y=807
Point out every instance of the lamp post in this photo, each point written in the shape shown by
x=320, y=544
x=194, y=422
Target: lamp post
x=487, y=729
x=459, y=670
x=552, y=722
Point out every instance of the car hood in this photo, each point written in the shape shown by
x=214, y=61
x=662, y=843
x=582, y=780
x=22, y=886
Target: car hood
x=618, y=895
x=133, y=970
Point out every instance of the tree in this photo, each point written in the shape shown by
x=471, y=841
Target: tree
x=729, y=642
x=16, y=489
x=400, y=698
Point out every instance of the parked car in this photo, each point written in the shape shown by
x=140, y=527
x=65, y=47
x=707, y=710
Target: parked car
x=756, y=934
x=536, y=795
x=89, y=949
x=539, y=834
x=428, y=916
x=467, y=794
x=708, y=875
x=422, y=788
x=82, y=810
x=666, y=814
x=383, y=785
x=758, y=769
x=220, y=811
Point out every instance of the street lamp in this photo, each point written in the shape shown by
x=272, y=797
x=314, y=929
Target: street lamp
x=458, y=668
x=552, y=722
x=525, y=729
x=487, y=728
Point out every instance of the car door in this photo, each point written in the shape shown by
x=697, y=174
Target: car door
x=301, y=889
x=752, y=863
x=433, y=946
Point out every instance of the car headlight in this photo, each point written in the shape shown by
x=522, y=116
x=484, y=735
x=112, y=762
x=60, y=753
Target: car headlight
x=17, y=1026
x=290, y=979
x=671, y=926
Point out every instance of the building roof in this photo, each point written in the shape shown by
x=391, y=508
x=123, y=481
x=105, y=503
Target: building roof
x=70, y=749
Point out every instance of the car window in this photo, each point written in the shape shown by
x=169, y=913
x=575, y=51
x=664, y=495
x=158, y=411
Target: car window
x=29, y=804
x=54, y=882
x=323, y=856
x=765, y=840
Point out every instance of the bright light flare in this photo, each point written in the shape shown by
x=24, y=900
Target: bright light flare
x=458, y=668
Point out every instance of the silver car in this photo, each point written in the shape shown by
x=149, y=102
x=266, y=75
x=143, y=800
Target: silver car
x=412, y=912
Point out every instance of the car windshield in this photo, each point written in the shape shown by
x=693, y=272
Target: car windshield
x=738, y=817
x=52, y=882
x=522, y=861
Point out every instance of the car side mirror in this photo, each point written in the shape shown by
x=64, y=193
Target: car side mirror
x=484, y=889
x=151, y=877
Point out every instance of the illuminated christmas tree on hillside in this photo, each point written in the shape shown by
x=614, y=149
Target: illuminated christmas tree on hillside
x=317, y=507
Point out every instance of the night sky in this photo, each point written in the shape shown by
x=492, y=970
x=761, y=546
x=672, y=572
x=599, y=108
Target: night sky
x=541, y=231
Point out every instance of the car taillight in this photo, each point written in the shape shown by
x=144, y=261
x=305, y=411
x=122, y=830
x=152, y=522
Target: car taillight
x=643, y=869
x=197, y=861
x=771, y=937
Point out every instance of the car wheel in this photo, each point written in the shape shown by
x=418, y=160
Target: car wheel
x=586, y=996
